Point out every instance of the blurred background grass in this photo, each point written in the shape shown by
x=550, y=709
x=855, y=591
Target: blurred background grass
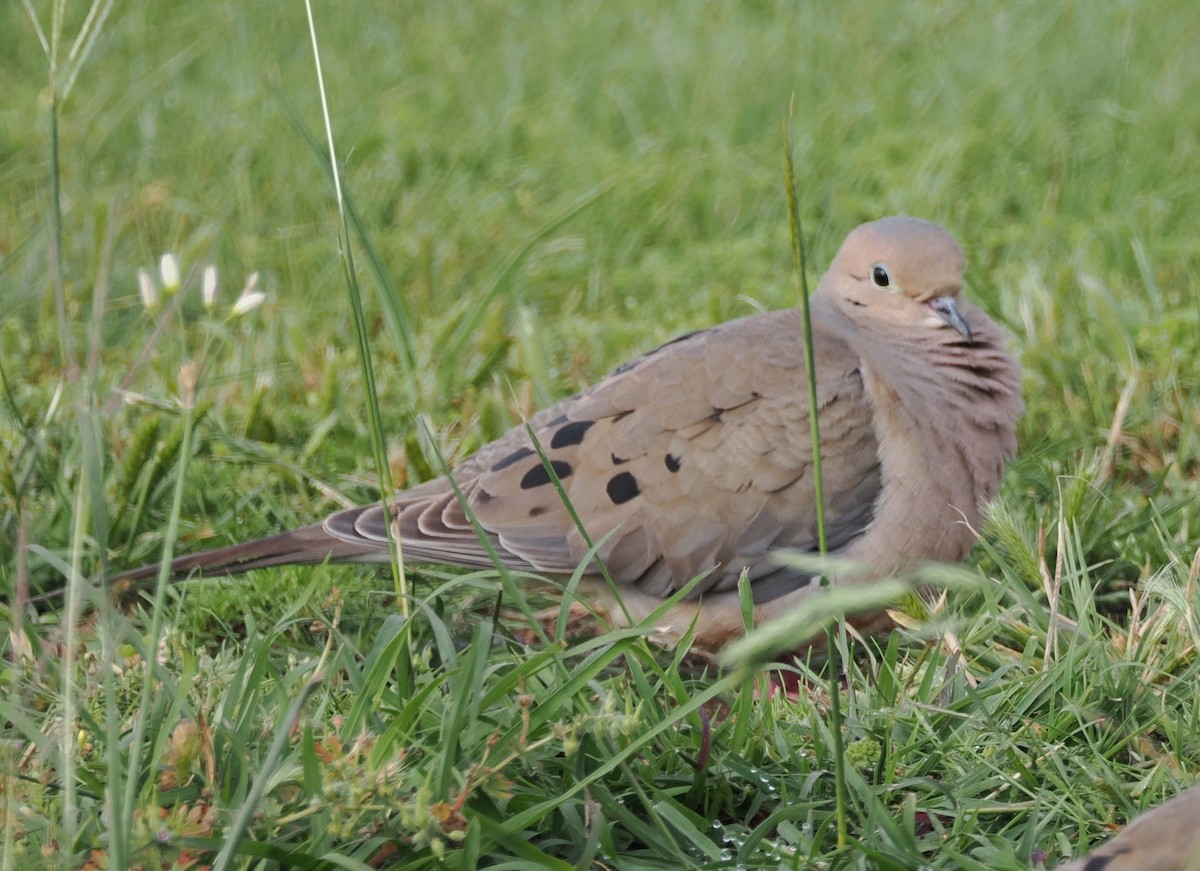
x=1056, y=141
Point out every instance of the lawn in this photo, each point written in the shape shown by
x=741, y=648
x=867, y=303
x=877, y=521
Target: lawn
x=537, y=193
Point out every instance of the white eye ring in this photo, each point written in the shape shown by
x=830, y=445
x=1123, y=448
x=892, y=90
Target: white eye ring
x=881, y=277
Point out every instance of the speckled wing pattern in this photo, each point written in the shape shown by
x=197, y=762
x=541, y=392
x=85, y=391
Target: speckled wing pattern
x=693, y=458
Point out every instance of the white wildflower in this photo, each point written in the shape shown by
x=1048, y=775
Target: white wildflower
x=250, y=298
x=147, y=289
x=208, y=287
x=168, y=268
x=247, y=303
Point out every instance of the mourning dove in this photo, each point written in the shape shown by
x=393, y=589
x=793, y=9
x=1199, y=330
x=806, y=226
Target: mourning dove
x=696, y=458
x=1164, y=839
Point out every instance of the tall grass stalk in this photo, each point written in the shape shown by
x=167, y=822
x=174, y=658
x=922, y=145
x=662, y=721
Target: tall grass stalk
x=76, y=584
x=157, y=612
x=61, y=81
x=378, y=445
x=89, y=487
x=832, y=649
x=92, y=479
x=65, y=342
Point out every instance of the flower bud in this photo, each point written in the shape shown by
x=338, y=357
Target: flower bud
x=247, y=303
x=208, y=287
x=148, y=291
x=168, y=269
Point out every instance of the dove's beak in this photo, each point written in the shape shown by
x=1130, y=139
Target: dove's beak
x=947, y=309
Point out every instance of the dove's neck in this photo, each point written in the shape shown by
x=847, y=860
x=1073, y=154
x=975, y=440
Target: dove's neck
x=945, y=414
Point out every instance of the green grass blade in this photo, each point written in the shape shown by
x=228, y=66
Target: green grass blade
x=366, y=366
x=232, y=844
x=814, y=423
x=467, y=329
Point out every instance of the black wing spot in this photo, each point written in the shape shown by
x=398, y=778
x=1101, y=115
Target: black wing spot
x=777, y=585
x=622, y=487
x=1099, y=863
x=673, y=463
x=538, y=510
x=538, y=476
x=571, y=434
x=617, y=461
x=515, y=457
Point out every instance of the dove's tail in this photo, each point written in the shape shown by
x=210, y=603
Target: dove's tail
x=306, y=545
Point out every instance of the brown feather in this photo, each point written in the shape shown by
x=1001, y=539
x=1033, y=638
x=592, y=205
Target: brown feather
x=1166, y=838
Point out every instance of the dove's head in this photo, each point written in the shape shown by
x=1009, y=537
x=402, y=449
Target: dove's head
x=899, y=272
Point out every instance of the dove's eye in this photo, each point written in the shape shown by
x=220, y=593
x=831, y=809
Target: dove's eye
x=880, y=276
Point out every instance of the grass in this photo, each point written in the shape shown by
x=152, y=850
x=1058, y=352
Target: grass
x=542, y=193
